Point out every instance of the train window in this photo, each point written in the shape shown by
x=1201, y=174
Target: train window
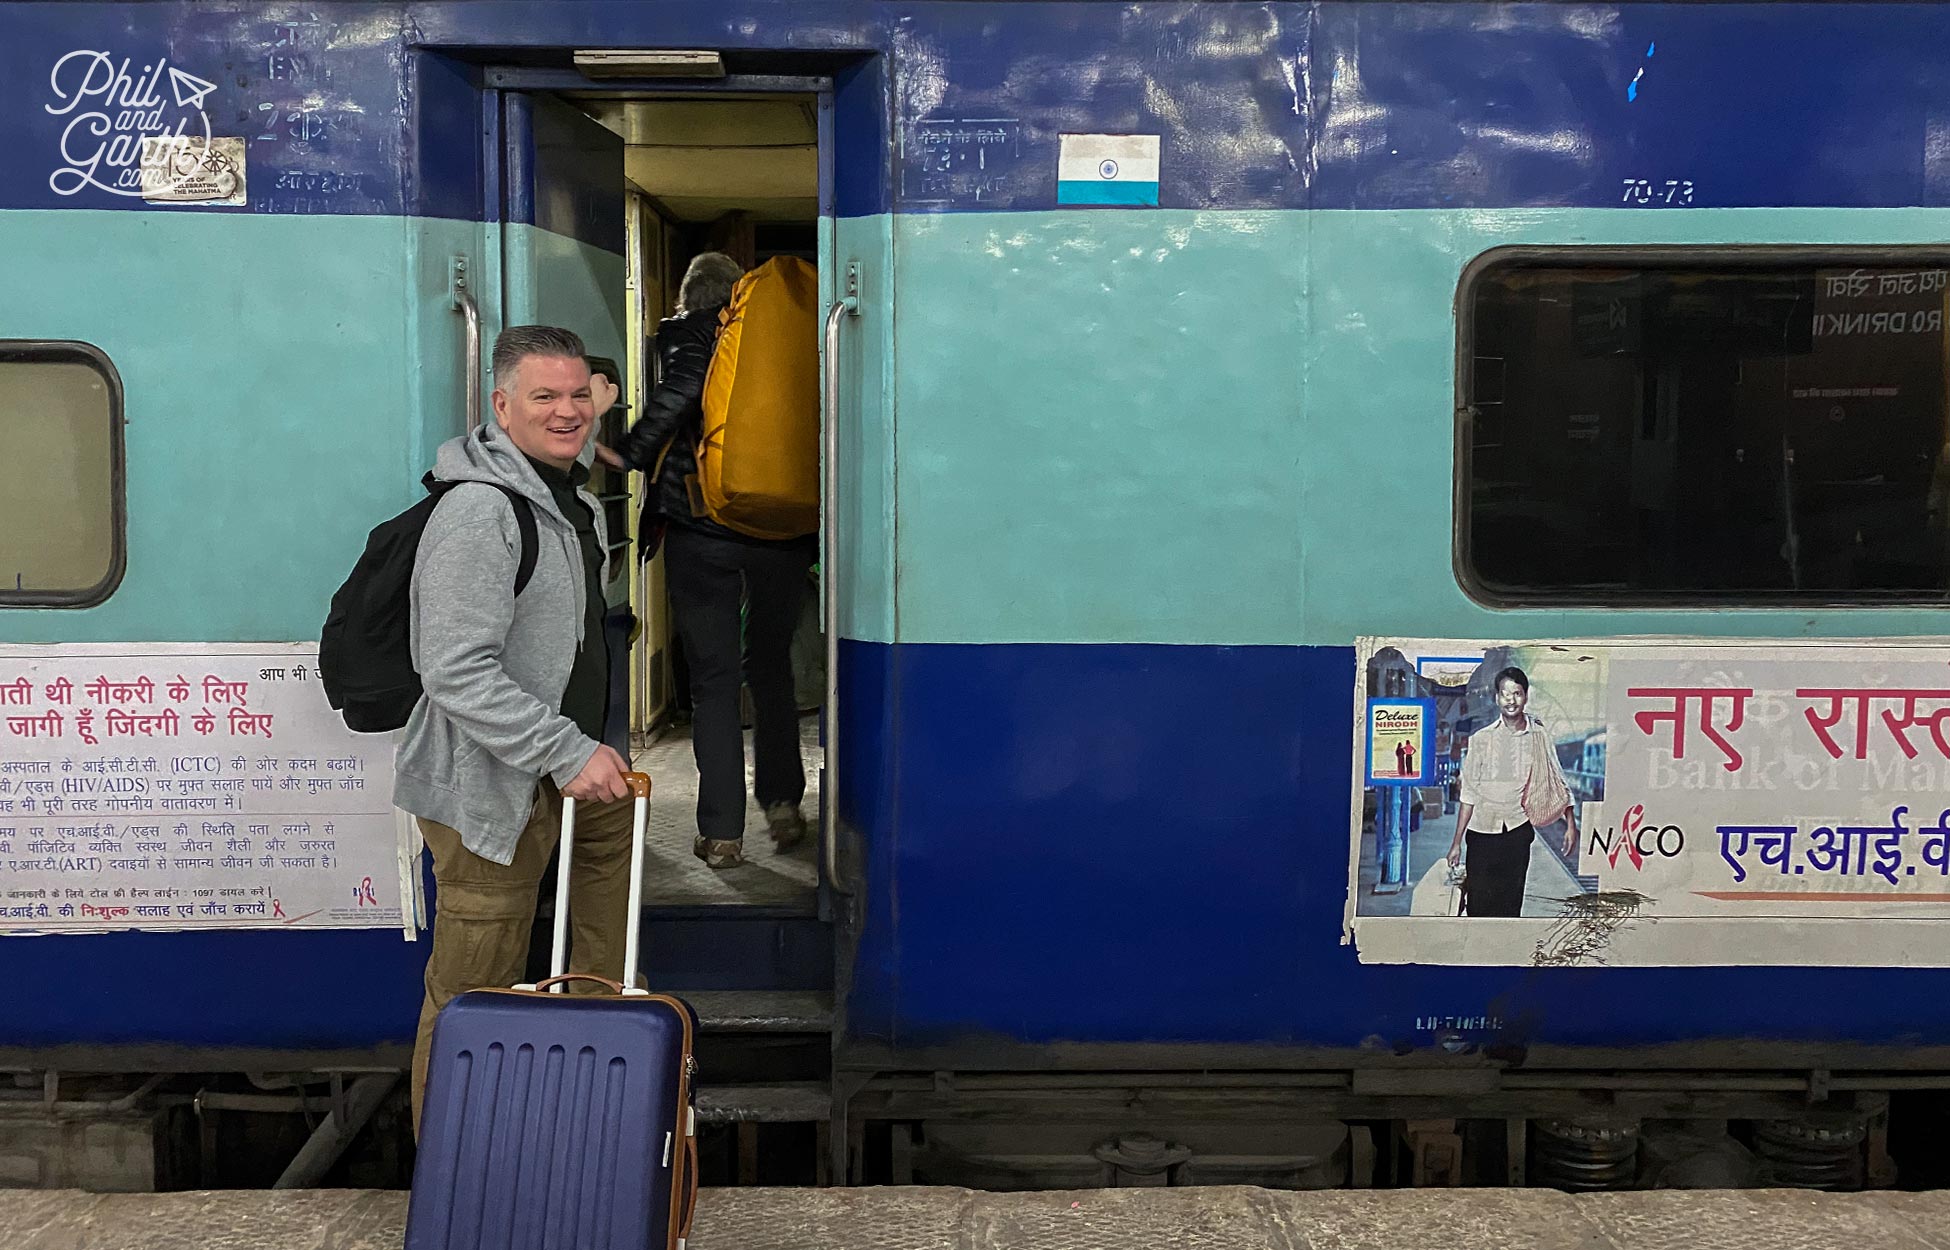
x=1704, y=426
x=61, y=482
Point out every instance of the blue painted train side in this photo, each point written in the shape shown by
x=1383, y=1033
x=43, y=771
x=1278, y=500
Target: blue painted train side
x=1117, y=477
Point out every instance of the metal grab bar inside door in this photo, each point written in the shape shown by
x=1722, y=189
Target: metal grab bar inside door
x=468, y=309
x=829, y=791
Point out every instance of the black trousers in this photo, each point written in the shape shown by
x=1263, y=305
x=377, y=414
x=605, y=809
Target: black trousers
x=708, y=578
x=1498, y=864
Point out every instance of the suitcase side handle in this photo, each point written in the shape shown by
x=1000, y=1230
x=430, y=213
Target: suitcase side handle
x=639, y=785
x=690, y=1191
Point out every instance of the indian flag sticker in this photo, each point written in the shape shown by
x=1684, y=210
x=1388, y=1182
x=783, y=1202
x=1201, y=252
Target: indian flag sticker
x=1108, y=170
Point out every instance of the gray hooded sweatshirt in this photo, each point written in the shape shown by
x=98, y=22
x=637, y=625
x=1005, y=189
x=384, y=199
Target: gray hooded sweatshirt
x=494, y=666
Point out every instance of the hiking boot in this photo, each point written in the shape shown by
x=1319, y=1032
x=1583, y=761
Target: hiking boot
x=718, y=853
x=786, y=825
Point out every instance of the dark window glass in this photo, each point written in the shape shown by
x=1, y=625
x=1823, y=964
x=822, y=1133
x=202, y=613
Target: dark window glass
x=1706, y=426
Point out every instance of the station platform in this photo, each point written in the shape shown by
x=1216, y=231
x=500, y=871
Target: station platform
x=1118, y=1219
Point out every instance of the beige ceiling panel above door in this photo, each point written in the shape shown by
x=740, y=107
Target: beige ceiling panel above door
x=724, y=173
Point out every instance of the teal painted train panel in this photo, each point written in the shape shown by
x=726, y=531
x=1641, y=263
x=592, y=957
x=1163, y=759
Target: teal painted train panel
x=1232, y=428
x=289, y=379
x=1101, y=434
x=1210, y=428
x=868, y=433
x=436, y=327
x=272, y=406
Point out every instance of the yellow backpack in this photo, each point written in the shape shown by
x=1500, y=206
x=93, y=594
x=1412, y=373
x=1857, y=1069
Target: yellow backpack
x=758, y=458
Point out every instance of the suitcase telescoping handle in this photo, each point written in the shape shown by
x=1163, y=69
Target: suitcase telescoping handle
x=633, y=929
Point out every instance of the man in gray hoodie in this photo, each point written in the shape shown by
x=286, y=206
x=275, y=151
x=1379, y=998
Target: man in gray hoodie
x=516, y=687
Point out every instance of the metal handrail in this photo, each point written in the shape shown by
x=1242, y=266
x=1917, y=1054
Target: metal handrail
x=464, y=303
x=829, y=792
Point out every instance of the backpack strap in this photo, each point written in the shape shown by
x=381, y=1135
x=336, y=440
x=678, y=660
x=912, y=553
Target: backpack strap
x=531, y=539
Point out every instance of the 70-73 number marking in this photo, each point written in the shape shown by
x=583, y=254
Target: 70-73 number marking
x=1646, y=191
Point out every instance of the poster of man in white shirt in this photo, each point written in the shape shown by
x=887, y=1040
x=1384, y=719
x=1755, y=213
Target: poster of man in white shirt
x=1512, y=784
x=1645, y=802
x=1491, y=828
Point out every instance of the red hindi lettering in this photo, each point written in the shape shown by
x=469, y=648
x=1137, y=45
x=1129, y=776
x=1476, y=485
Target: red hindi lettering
x=1707, y=697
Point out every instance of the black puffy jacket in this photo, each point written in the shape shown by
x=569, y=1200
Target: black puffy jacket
x=674, y=416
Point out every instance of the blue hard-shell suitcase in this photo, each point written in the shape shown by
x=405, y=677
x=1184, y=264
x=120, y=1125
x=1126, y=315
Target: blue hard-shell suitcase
x=557, y=1121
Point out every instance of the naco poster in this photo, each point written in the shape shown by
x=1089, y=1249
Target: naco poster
x=1654, y=803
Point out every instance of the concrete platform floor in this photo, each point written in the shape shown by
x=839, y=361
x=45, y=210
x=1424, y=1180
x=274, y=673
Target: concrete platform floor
x=1129, y=1219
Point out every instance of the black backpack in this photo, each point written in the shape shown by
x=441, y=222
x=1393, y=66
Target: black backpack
x=365, y=655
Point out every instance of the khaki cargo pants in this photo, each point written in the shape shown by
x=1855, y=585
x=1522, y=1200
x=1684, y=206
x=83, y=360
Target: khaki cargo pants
x=484, y=912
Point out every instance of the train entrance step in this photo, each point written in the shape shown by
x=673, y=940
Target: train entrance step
x=694, y=949
x=799, y=1102
x=761, y=1011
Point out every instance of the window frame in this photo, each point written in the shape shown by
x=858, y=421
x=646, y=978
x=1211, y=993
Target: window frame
x=1722, y=256
x=74, y=351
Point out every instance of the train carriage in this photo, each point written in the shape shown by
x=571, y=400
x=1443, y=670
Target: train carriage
x=1198, y=378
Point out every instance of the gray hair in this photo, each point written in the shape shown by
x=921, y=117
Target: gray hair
x=516, y=343
x=708, y=282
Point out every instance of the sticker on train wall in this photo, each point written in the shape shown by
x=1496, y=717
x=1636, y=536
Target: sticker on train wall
x=1652, y=803
x=1108, y=170
x=131, y=126
x=192, y=171
x=1401, y=741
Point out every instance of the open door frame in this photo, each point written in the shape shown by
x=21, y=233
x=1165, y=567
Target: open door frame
x=652, y=671
x=499, y=82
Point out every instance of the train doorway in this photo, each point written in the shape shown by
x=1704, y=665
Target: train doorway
x=609, y=193
x=609, y=189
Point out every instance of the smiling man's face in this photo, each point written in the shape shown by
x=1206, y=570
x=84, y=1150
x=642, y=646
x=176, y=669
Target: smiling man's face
x=547, y=408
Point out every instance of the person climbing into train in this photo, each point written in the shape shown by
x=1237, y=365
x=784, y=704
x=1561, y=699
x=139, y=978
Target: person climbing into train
x=516, y=686
x=1512, y=784
x=713, y=570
